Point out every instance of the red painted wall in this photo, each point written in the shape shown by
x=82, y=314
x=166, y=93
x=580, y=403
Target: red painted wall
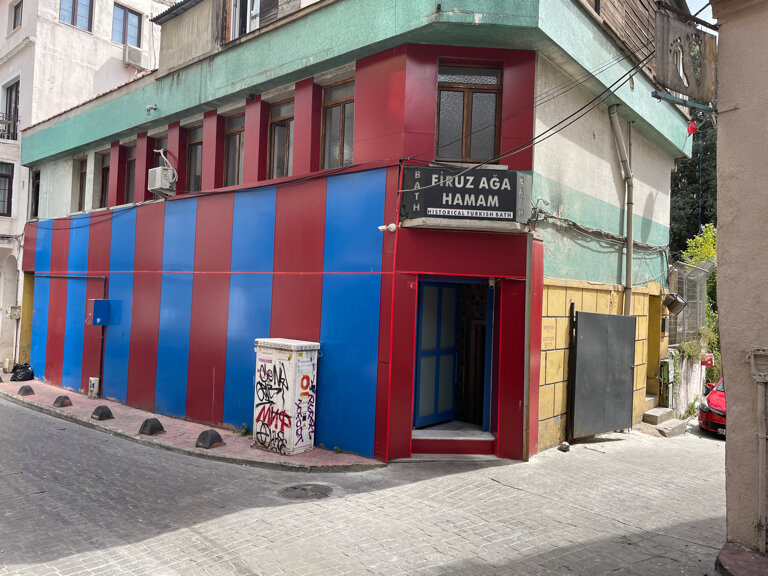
x=534, y=354
x=212, y=174
x=255, y=146
x=210, y=308
x=145, y=312
x=30, y=239
x=116, y=191
x=57, y=305
x=100, y=235
x=177, y=154
x=306, y=128
x=297, y=285
x=145, y=158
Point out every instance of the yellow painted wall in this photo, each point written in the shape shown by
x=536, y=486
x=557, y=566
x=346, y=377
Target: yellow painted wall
x=25, y=336
x=588, y=297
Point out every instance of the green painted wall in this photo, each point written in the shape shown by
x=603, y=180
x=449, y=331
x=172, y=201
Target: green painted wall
x=336, y=34
x=569, y=253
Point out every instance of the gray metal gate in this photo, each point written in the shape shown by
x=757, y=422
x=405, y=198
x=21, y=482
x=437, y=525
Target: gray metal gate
x=600, y=387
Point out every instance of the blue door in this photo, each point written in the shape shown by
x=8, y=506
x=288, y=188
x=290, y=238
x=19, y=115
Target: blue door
x=435, y=354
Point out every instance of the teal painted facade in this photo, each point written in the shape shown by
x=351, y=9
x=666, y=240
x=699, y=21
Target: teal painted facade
x=342, y=32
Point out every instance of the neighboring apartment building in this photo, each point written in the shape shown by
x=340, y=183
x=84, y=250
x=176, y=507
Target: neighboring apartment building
x=54, y=55
x=296, y=130
x=742, y=267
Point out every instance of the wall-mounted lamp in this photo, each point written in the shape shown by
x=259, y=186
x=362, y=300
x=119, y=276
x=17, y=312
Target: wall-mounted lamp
x=389, y=227
x=150, y=108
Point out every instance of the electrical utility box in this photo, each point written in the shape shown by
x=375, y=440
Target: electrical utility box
x=285, y=395
x=97, y=312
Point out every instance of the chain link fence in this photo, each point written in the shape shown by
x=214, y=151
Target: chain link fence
x=690, y=282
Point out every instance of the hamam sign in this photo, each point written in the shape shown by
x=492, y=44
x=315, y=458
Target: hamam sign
x=474, y=194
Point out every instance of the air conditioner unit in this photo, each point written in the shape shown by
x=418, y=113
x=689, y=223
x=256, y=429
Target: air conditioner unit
x=161, y=181
x=135, y=57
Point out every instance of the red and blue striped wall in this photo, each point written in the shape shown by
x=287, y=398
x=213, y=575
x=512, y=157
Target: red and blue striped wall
x=193, y=280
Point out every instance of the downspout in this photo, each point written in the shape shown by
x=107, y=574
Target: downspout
x=761, y=464
x=626, y=171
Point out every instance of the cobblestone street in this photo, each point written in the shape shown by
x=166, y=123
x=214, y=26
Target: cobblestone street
x=78, y=501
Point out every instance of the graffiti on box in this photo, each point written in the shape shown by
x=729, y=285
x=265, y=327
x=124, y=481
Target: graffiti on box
x=280, y=424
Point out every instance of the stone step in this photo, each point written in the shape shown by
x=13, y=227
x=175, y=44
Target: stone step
x=672, y=427
x=658, y=415
x=651, y=401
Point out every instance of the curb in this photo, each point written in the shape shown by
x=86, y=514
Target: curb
x=286, y=466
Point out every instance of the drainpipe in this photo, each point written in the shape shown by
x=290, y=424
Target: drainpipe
x=761, y=463
x=626, y=171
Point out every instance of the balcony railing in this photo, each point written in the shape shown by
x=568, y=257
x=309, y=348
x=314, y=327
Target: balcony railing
x=9, y=126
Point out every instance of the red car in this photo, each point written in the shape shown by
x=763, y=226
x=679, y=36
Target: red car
x=712, y=409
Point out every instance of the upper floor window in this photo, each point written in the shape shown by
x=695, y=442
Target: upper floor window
x=34, y=194
x=77, y=13
x=126, y=26
x=81, y=184
x=338, y=124
x=194, y=159
x=248, y=15
x=130, y=175
x=16, y=11
x=233, y=153
x=10, y=119
x=468, y=109
x=104, y=188
x=6, y=188
x=281, y=139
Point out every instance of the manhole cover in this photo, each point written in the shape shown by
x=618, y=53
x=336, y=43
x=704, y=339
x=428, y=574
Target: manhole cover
x=306, y=491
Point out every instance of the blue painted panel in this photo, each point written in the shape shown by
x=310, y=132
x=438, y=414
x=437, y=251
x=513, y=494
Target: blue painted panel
x=354, y=210
x=117, y=336
x=76, y=295
x=40, y=303
x=179, y=235
x=250, y=297
x=253, y=230
x=43, y=247
x=123, y=240
x=346, y=383
x=39, y=339
x=173, y=344
x=250, y=306
x=175, y=307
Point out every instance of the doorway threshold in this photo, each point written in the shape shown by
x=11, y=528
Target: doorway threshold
x=453, y=437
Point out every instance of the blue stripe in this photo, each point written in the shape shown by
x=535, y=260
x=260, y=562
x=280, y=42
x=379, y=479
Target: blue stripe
x=117, y=335
x=41, y=299
x=76, y=294
x=354, y=210
x=346, y=382
x=175, y=307
x=250, y=297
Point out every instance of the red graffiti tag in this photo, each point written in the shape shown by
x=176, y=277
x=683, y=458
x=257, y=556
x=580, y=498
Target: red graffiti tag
x=277, y=419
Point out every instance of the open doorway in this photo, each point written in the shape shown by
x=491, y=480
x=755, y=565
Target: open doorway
x=453, y=357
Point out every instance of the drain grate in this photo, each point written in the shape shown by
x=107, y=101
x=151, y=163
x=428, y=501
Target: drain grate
x=306, y=491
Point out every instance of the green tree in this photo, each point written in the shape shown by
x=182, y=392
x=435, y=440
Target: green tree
x=684, y=202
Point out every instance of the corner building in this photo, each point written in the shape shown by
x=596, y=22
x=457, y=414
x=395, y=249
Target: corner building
x=292, y=131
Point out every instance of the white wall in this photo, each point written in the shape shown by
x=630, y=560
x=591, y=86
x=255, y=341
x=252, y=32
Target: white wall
x=583, y=156
x=56, y=179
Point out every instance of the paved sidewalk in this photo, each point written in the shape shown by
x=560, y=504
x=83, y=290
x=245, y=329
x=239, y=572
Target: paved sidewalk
x=179, y=436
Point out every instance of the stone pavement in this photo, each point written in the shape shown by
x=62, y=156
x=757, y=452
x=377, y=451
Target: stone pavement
x=75, y=501
x=179, y=435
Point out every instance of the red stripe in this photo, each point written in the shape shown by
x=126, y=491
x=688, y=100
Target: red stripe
x=434, y=446
x=299, y=243
x=99, y=237
x=213, y=151
x=210, y=309
x=537, y=295
x=306, y=138
x=381, y=434
x=30, y=240
x=145, y=313
x=57, y=306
